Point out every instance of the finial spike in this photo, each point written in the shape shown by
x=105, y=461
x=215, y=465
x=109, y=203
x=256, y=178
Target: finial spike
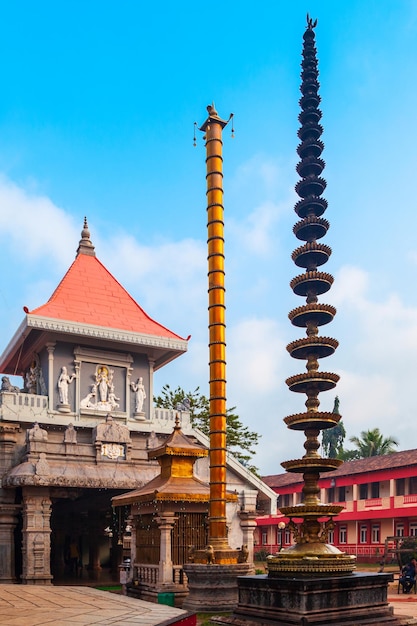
x=85, y=246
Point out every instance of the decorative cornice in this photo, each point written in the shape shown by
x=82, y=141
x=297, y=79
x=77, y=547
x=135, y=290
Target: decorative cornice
x=100, y=332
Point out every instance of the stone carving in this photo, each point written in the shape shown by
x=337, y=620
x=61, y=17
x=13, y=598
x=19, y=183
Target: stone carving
x=90, y=400
x=243, y=554
x=185, y=405
x=113, y=450
x=70, y=435
x=41, y=466
x=6, y=385
x=104, y=380
x=112, y=432
x=102, y=396
x=140, y=394
x=152, y=441
x=37, y=433
x=33, y=379
x=64, y=382
x=210, y=554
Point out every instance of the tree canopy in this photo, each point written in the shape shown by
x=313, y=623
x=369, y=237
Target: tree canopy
x=332, y=440
x=370, y=443
x=240, y=440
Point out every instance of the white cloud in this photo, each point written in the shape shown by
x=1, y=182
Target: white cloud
x=255, y=234
x=34, y=224
x=255, y=355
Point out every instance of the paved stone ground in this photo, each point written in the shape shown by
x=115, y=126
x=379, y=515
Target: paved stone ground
x=32, y=605
x=28, y=605
x=404, y=605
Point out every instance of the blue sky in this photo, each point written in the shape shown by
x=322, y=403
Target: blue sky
x=97, y=106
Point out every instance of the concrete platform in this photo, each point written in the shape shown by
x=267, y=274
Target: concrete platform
x=29, y=605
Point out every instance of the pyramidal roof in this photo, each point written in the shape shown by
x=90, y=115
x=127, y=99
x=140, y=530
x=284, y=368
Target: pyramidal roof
x=90, y=302
x=89, y=294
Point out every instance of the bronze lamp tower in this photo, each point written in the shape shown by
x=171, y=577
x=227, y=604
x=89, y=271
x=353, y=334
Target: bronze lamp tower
x=311, y=554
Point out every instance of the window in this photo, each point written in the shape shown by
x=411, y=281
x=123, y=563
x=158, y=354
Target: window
x=400, y=486
x=330, y=538
x=375, y=533
x=363, y=534
x=341, y=494
x=280, y=537
x=285, y=500
x=374, y=490
x=287, y=537
x=413, y=484
x=343, y=534
x=330, y=495
x=413, y=529
x=264, y=538
x=399, y=530
x=363, y=491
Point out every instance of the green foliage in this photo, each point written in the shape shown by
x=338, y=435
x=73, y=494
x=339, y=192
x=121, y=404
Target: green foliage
x=332, y=440
x=240, y=440
x=261, y=555
x=370, y=443
x=405, y=557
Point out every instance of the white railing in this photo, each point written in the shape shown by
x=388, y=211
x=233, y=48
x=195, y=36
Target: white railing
x=23, y=406
x=179, y=576
x=148, y=574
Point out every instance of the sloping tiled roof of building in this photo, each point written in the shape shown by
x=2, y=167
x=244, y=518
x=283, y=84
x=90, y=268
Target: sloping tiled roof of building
x=349, y=468
x=89, y=294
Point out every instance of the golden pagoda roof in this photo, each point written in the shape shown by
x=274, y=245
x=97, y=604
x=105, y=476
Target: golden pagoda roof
x=178, y=444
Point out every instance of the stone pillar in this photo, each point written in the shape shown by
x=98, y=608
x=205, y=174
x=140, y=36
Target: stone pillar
x=9, y=511
x=128, y=391
x=8, y=521
x=77, y=398
x=150, y=393
x=248, y=525
x=165, y=523
x=51, y=348
x=36, y=549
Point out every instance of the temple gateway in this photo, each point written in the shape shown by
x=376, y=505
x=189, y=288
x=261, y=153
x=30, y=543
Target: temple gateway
x=77, y=431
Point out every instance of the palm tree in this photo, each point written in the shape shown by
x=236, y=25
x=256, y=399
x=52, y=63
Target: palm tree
x=373, y=443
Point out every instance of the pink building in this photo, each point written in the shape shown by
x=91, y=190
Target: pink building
x=379, y=495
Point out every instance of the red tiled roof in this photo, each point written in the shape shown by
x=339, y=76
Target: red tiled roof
x=349, y=468
x=89, y=294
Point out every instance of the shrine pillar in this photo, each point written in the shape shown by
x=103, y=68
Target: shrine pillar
x=248, y=525
x=165, y=524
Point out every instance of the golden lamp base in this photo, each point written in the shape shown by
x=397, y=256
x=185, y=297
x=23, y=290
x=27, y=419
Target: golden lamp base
x=317, y=559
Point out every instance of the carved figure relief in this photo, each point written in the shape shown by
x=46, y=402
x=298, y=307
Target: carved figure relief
x=152, y=441
x=70, y=435
x=6, y=385
x=37, y=433
x=140, y=394
x=33, y=379
x=41, y=466
x=102, y=395
x=64, y=382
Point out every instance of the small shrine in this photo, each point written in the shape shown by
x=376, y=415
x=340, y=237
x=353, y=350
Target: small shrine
x=168, y=519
